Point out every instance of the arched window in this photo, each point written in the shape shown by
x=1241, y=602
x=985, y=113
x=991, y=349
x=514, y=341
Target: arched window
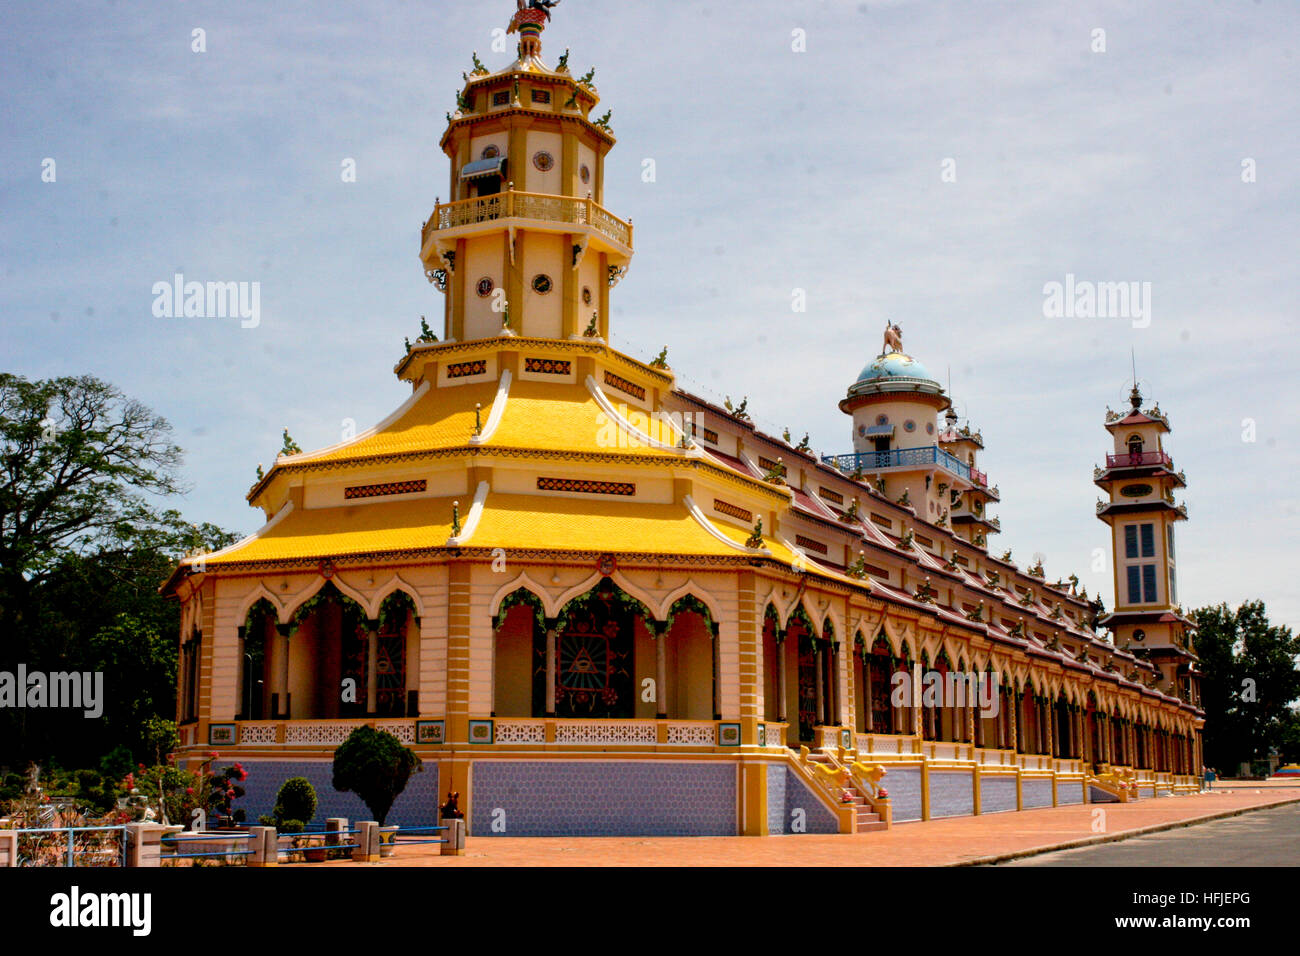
x=1134, y=444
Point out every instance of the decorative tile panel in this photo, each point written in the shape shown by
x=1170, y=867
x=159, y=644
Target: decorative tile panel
x=389, y=488
x=951, y=794
x=624, y=386
x=257, y=733
x=786, y=794
x=904, y=786
x=587, y=487
x=997, y=794
x=1036, y=792
x=545, y=366
x=693, y=734
x=735, y=511
x=603, y=798
x=465, y=369
x=416, y=806
x=810, y=544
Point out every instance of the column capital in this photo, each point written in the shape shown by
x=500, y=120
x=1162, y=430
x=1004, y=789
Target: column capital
x=372, y=624
x=282, y=629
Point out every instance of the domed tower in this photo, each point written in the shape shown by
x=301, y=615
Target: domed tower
x=895, y=405
x=524, y=245
x=1140, y=479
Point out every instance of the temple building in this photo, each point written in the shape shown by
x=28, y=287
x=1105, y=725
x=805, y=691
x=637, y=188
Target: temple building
x=595, y=603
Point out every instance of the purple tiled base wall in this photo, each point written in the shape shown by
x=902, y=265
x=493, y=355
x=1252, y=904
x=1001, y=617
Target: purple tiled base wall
x=1096, y=795
x=603, y=798
x=417, y=806
x=904, y=786
x=997, y=794
x=786, y=794
x=1036, y=793
x=1068, y=791
x=951, y=794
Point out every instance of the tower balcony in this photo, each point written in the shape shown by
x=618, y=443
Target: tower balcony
x=907, y=459
x=540, y=212
x=1139, y=459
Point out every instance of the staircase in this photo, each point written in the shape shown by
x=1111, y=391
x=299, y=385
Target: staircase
x=865, y=819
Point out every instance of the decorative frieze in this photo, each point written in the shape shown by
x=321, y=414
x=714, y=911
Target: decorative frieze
x=624, y=386
x=546, y=366
x=388, y=488
x=587, y=487
x=466, y=369
x=734, y=511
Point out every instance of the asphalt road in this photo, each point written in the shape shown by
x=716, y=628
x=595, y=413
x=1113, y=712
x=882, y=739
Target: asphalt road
x=1257, y=838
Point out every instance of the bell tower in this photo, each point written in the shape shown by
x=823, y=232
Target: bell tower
x=1140, y=480
x=524, y=245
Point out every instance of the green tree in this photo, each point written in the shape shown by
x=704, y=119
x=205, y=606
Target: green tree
x=375, y=766
x=84, y=545
x=1249, y=682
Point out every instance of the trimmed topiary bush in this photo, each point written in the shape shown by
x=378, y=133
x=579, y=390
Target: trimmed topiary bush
x=375, y=766
x=295, y=805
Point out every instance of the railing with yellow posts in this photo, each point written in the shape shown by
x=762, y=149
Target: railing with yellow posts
x=539, y=207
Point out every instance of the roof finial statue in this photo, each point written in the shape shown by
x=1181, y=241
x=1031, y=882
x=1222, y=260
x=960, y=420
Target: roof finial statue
x=529, y=21
x=893, y=339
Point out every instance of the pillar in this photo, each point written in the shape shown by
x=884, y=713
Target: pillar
x=819, y=690
x=717, y=671
x=372, y=667
x=782, y=693
x=659, y=629
x=282, y=672
x=552, y=624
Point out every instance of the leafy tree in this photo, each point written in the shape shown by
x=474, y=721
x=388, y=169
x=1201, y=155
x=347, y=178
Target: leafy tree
x=375, y=766
x=84, y=546
x=1249, y=680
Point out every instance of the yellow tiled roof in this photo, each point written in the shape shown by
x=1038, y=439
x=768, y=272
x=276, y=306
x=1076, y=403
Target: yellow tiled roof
x=353, y=529
x=523, y=522
x=442, y=418
x=543, y=415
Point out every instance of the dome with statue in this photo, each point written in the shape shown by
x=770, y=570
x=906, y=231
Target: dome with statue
x=894, y=365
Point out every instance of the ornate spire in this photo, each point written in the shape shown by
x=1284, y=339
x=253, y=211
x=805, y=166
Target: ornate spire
x=529, y=21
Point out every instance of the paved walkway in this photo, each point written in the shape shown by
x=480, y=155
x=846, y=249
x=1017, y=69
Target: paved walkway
x=1262, y=838
x=950, y=842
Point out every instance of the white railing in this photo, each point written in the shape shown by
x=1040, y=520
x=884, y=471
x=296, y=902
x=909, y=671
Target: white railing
x=520, y=731
x=943, y=751
x=403, y=730
x=694, y=734
x=257, y=733
x=330, y=732
x=597, y=732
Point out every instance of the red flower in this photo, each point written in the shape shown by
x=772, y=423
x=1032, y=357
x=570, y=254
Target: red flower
x=213, y=754
x=140, y=766
x=189, y=791
x=882, y=793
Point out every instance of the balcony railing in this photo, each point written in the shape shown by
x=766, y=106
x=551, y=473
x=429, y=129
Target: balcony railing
x=904, y=458
x=1138, y=459
x=543, y=207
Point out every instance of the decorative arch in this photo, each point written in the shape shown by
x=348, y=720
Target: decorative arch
x=591, y=583
x=307, y=598
x=689, y=602
x=690, y=591
x=261, y=593
x=394, y=584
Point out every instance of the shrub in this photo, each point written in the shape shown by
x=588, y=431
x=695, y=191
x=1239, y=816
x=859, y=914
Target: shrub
x=375, y=766
x=295, y=803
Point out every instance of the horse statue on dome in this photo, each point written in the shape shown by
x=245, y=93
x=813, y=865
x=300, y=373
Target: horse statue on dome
x=893, y=339
x=542, y=5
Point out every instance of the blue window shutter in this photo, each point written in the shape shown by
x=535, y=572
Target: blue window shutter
x=1134, y=586
x=1148, y=541
x=1148, y=583
x=1130, y=541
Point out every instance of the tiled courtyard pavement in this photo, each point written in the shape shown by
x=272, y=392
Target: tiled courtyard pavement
x=948, y=842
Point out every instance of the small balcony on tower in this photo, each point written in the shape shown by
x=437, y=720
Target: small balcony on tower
x=539, y=212
x=908, y=459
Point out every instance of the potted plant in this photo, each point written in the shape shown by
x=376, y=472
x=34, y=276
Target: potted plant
x=295, y=805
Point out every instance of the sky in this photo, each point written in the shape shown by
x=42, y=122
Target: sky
x=934, y=164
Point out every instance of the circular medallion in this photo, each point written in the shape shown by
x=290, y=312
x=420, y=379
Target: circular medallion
x=541, y=284
x=543, y=160
x=484, y=287
x=1139, y=635
x=862, y=430
x=606, y=565
x=1135, y=491
x=491, y=152
x=929, y=428
x=909, y=426
x=586, y=295
x=584, y=173
x=327, y=569
x=882, y=419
